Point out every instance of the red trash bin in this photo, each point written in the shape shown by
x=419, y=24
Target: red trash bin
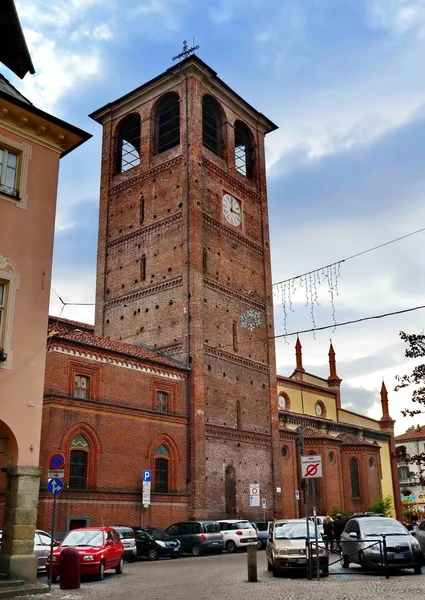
x=70, y=570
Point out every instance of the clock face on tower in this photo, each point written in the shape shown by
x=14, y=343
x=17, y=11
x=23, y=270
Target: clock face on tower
x=232, y=210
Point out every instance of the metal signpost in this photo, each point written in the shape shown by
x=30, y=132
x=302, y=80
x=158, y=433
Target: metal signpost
x=55, y=487
x=146, y=490
x=264, y=505
x=311, y=468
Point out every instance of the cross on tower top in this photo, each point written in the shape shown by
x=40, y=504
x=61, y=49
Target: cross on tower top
x=186, y=51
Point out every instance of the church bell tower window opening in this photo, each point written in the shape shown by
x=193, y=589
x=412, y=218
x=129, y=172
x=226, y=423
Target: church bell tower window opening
x=212, y=123
x=167, y=123
x=244, y=150
x=128, y=155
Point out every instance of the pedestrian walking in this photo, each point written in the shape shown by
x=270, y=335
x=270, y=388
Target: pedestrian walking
x=338, y=528
x=328, y=533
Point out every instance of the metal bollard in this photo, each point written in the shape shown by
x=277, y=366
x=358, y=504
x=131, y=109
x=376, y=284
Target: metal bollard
x=251, y=552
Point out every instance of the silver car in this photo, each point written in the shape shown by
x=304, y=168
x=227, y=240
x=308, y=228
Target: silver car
x=362, y=544
x=42, y=544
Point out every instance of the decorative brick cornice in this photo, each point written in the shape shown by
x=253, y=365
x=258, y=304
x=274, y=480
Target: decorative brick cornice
x=149, y=291
x=236, y=435
x=125, y=410
x=232, y=180
x=227, y=291
x=234, y=358
x=141, y=233
x=233, y=234
x=146, y=175
x=120, y=362
x=170, y=350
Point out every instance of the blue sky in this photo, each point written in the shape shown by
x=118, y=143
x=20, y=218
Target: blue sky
x=344, y=81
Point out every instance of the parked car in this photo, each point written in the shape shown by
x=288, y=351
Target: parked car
x=42, y=545
x=360, y=543
x=319, y=523
x=198, y=537
x=128, y=541
x=154, y=543
x=263, y=531
x=286, y=549
x=237, y=533
x=419, y=533
x=100, y=548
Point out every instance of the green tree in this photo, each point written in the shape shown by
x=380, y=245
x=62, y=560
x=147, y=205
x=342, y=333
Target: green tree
x=383, y=506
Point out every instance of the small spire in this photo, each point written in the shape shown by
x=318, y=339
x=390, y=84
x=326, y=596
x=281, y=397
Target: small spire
x=299, y=355
x=332, y=362
x=384, y=401
x=334, y=382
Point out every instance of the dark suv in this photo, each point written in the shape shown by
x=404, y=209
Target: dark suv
x=198, y=537
x=362, y=543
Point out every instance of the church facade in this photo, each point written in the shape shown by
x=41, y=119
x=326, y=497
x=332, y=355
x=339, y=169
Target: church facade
x=178, y=374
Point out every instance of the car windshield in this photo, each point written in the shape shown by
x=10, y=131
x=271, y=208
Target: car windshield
x=293, y=531
x=157, y=534
x=241, y=525
x=91, y=537
x=377, y=527
x=125, y=534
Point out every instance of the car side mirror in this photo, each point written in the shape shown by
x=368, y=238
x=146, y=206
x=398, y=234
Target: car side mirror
x=413, y=532
x=354, y=535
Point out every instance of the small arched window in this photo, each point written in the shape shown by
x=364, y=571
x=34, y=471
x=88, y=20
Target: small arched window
x=235, y=336
x=167, y=123
x=204, y=260
x=78, y=463
x=212, y=125
x=128, y=140
x=143, y=268
x=354, y=476
x=238, y=414
x=244, y=150
x=162, y=462
x=142, y=209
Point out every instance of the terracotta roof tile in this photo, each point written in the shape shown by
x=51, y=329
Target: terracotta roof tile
x=350, y=439
x=417, y=433
x=74, y=331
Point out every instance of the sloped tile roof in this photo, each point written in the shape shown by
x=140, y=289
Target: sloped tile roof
x=413, y=434
x=82, y=333
x=349, y=439
x=7, y=88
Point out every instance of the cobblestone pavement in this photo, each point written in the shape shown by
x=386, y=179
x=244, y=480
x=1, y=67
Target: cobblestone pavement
x=225, y=578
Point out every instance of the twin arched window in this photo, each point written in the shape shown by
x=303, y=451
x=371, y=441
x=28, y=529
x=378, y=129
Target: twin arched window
x=244, y=150
x=128, y=141
x=212, y=125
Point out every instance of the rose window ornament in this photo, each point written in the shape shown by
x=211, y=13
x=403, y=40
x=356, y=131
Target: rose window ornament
x=251, y=319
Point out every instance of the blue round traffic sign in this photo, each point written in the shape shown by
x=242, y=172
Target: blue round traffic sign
x=56, y=461
x=55, y=485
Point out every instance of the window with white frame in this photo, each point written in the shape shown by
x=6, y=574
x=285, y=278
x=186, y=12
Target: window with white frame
x=9, y=163
x=9, y=285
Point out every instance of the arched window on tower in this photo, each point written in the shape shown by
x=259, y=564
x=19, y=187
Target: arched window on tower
x=212, y=125
x=162, y=463
x=128, y=143
x=167, y=122
x=204, y=260
x=78, y=463
x=238, y=414
x=354, y=476
x=244, y=150
x=235, y=336
x=143, y=268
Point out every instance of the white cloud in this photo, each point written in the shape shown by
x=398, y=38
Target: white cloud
x=398, y=16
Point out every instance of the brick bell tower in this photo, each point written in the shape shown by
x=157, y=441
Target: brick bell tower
x=184, y=266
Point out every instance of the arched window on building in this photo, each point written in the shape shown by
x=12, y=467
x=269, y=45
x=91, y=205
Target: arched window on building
x=204, y=260
x=230, y=490
x=235, y=336
x=128, y=143
x=142, y=209
x=143, y=268
x=244, y=150
x=212, y=125
x=355, y=481
x=79, y=452
x=167, y=122
x=238, y=414
x=162, y=464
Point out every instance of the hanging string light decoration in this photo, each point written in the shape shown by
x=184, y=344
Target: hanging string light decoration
x=310, y=283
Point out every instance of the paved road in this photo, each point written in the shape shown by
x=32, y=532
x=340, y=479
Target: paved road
x=225, y=578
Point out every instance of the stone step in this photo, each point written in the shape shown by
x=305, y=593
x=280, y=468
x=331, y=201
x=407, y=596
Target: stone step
x=22, y=589
x=11, y=583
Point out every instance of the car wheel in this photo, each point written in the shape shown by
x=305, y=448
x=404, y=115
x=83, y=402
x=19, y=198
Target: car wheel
x=345, y=561
x=153, y=554
x=196, y=550
x=54, y=578
x=259, y=545
x=230, y=546
x=418, y=569
x=101, y=572
x=119, y=569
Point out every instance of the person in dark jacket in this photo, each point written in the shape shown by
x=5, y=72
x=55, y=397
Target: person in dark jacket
x=338, y=527
x=328, y=533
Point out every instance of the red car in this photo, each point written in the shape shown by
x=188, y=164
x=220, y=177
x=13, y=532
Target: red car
x=100, y=548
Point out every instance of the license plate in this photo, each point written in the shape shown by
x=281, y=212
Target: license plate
x=399, y=555
x=251, y=540
x=301, y=561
